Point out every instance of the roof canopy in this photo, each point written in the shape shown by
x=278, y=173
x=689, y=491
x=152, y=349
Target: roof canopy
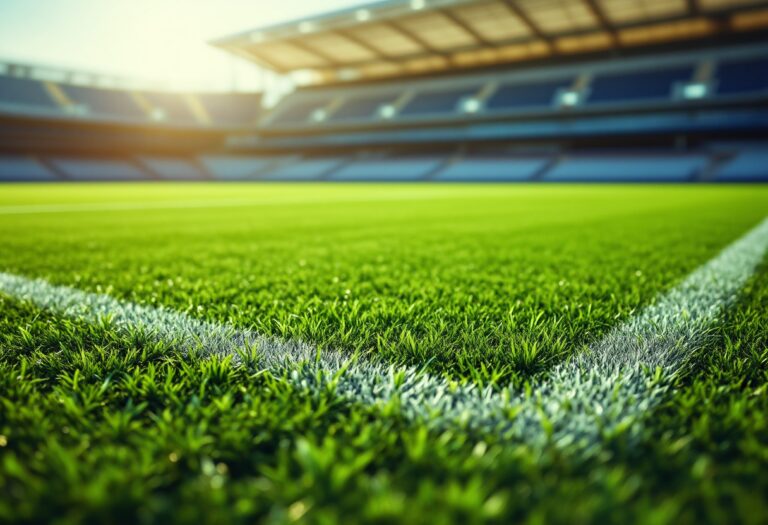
x=402, y=37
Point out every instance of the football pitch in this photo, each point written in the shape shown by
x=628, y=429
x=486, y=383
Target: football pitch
x=240, y=353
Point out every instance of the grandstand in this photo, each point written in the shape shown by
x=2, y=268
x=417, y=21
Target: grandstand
x=440, y=90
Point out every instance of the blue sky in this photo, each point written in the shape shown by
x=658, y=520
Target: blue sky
x=152, y=40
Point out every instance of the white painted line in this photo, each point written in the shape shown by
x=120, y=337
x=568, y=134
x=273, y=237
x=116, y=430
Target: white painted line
x=26, y=209
x=29, y=209
x=608, y=389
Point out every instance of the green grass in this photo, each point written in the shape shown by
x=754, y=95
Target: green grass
x=487, y=284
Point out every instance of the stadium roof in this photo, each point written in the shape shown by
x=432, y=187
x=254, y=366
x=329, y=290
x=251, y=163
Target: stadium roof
x=402, y=37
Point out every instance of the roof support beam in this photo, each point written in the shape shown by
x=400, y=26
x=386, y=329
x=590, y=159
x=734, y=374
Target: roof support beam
x=251, y=54
x=480, y=39
x=365, y=45
x=413, y=37
x=296, y=42
x=602, y=19
x=530, y=24
x=693, y=7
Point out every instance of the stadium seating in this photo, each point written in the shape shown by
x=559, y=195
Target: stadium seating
x=492, y=169
x=172, y=168
x=627, y=168
x=534, y=95
x=169, y=107
x=232, y=167
x=104, y=102
x=25, y=94
x=741, y=77
x=598, y=86
x=747, y=163
x=747, y=166
x=292, y=111
x=26, y=169
x=639, y=102
x=388, y=169
x=85, y=169
x=364, y=107
x=306, y=169
x=235, y=109
x=21, y=95
x=625, y=87
x=437, y=102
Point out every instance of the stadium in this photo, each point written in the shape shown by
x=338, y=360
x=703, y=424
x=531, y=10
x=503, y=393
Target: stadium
x=445, y=261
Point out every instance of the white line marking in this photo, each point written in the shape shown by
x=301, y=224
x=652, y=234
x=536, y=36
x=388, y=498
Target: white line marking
x=29, y=209
x=608, y=389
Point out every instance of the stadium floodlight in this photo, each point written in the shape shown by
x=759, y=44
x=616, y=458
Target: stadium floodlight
x=348, y=74
x=569, y=98
x=77, y=109
x=306, y=27
x=695, y=91
x=471, y=105
x=387, y=111
x=319, y=115
x=158, y=115
x=418, y=5
x=363, y=15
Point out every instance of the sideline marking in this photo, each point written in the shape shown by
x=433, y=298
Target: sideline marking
x=607, y=390
x=30, y=209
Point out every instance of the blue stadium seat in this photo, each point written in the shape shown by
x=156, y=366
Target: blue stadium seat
x=437, y=102
x=172, y=105
x=527, y=96
x=105, y=102
x=22, y=169
x=628, y=168
x=305, y=169
x=230, y=167
x=492, y=169
x=25, y=92
x=365, y=107
x=748, y=166
x=173, y=168
x=232, y=108
x=742, y=76
x=651, y=85
x=297, y=112
x=85, y=169
x=388, y=169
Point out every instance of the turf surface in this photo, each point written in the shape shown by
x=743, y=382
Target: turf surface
x=486, y=284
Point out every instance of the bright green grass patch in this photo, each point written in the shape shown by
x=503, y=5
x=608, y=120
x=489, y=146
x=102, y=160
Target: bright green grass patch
x=97, y=427
x=505, y=278
x=102, y=428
